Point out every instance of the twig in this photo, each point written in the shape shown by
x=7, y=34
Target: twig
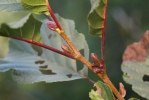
x=53, y=16
x=89, y=80
x=49, y=18
x=104, y=77
x=44, y=46
x=103, y=36
x=77, y=55
x=62, y=32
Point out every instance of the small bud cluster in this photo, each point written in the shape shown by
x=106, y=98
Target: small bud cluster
x=67, y=49
x=97, y=66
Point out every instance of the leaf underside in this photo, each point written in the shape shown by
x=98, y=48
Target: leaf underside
x=134, y=73
x=103, y=92
x=11, y=5
x=96, y=17
x=35, y=6
x=135, y=65
x=30, y=66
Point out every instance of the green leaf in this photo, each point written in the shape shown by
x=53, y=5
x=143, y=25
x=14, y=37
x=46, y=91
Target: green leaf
x=96, y=17
x=35, y=6
x=133, y=99
x=103, y=92
x=134, y=73
x=3, y=46
x=27, y=28
x=7, y=17
x=95, y=95
x=11, y=5
x=30, y=66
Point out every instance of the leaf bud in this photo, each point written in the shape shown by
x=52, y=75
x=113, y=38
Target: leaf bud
x=66, y=49
x=122, y=90
x=51, y=25
x=94, y=58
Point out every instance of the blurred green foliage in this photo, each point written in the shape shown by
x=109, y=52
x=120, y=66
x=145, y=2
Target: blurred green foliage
x=126, y=21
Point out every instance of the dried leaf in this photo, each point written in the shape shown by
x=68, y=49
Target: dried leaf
x=137, y=51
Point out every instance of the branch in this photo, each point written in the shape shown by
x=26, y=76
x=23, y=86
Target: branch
x=77, y=55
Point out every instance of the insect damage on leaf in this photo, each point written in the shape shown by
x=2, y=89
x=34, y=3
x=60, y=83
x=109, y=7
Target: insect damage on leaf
x=32, y=64
x=45, y=66
x=39, y=62
x=146, y=78
x=69, y=75
x=50, y=36
x=46, y=71
x=137, y=51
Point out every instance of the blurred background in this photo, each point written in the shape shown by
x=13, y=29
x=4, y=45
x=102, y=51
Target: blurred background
x=127, y=20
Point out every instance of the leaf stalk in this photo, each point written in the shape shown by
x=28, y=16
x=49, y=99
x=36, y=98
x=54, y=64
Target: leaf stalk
x=103, y=36
x=44, y=46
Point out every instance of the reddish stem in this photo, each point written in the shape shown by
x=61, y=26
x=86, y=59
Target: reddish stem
x=44, y=46
x=53, y=16
x=49, y=18
x=103, y=36
x=89, y=80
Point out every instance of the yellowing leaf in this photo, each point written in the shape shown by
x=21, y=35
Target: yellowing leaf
x=103, y=92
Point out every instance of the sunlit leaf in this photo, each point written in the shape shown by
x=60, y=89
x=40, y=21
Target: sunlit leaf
x=7, y=17
x=103, y=92
x=96, y=17
x=27, y=28
x=35, y=6
x=11, y=5
x=3, y=46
